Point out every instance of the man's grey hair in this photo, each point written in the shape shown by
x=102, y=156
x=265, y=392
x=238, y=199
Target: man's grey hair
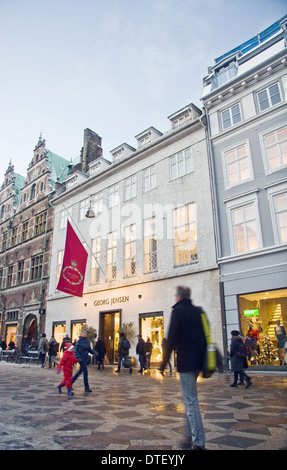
x=183, y=292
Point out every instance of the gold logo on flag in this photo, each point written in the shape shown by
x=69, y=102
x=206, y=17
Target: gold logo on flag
x=72, y=275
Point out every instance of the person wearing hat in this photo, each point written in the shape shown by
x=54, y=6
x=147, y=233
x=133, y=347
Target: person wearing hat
x=238, y=359
x=140, y=350
x=67, y=362
x=82, y=350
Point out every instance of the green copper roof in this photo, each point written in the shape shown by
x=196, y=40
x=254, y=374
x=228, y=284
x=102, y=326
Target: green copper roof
x=59, y=167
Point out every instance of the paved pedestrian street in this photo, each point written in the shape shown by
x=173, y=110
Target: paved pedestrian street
x=136, y=411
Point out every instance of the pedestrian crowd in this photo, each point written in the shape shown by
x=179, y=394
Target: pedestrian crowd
x=186, y=336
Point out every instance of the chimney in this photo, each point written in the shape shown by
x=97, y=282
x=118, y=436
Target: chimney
x=91, y=150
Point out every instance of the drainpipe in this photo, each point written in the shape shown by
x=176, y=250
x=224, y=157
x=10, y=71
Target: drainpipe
x=217, y=237
x=4, y=264
x=43, y=262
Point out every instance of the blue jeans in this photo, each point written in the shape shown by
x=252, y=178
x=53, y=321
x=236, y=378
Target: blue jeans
x=142, y=362
x=195, y=428
x=84, y=370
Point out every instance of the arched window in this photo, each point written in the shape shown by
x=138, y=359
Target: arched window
x=33, y=191
x=2, y=212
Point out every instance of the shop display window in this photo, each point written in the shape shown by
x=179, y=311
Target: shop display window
x=263, y=322
x=151, y=326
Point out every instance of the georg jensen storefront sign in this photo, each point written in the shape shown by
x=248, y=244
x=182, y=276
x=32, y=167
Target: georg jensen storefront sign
x=112, y=301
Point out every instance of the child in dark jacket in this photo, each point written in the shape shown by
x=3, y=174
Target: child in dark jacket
x=67, y=362
x=238, y=359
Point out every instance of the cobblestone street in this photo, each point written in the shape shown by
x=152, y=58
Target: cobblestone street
x=134, y=411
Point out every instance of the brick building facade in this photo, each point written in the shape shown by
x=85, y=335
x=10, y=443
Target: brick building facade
x=26, y=225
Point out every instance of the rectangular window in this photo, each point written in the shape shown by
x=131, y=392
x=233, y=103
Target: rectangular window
x=130, y=250
x=112, y=256
x=9, y=275
x=14, y=236
x=269, y=97
x=4, y=241
x=95, y=260
x=275, y=145
x=281, y=216
x=40, y=223
x=25, y=231
x=150, y=245
x=65, y=215
x=60, y=257
x=84, y=206
x=180, y=164
x=20, y=272
x=245, y=230
x=149, y=179
x=113, y=196
x=238, y=165
x=36, y=267
x=98, y=203
x=231, y=116
x=130, y=187
x=185, y=234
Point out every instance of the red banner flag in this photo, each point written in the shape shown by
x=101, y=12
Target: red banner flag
x=74, y=265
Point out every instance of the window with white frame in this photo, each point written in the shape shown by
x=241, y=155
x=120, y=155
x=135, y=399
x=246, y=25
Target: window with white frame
x=244, y=224
x=180, y=164
x=230, y=116
x=130, y=187
x=65, y=215
x=278, y=205
x=185, y=234
x=281, y=216
x=269, y=97
x=150, y=245
x=95, y=260
x=98, y=203
x=275, y=148
x=238, y=167
x=112, y=247
x=60, y=256
x=113, y=196
x=149, y=179
x=130, y=250
x=84, y=206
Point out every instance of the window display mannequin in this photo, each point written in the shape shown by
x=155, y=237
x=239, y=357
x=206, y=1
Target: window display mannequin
x=280, y=334
x=252, y=341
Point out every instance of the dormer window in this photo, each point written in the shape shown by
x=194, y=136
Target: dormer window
x=224, y=74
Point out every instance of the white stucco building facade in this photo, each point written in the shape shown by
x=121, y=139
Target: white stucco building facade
x=152, y=230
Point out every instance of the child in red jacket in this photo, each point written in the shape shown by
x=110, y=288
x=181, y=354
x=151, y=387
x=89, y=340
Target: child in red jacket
x=67, y=362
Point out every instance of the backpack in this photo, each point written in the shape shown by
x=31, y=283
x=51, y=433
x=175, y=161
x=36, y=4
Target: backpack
x=210, y=356
x=126, y=344
x=46, y=345
x=242, y=350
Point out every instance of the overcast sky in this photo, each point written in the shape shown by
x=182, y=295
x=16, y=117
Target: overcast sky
x=115, y=66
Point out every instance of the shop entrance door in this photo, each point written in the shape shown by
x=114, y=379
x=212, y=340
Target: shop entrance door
x=109, y=333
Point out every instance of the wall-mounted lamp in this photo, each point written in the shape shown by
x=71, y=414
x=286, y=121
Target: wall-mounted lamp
x=90, y=213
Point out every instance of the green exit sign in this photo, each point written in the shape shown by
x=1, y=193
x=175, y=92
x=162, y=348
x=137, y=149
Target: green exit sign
x=250, y=313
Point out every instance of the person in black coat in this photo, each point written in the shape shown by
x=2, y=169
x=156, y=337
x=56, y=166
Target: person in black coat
x=186, y=336
x=238, y=359
x=100, y=347
x=140, y=350
x=82, y=350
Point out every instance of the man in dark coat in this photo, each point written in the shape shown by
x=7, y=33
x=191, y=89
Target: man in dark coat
x=186, y=336
x=140, y=350
x=82, y=350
